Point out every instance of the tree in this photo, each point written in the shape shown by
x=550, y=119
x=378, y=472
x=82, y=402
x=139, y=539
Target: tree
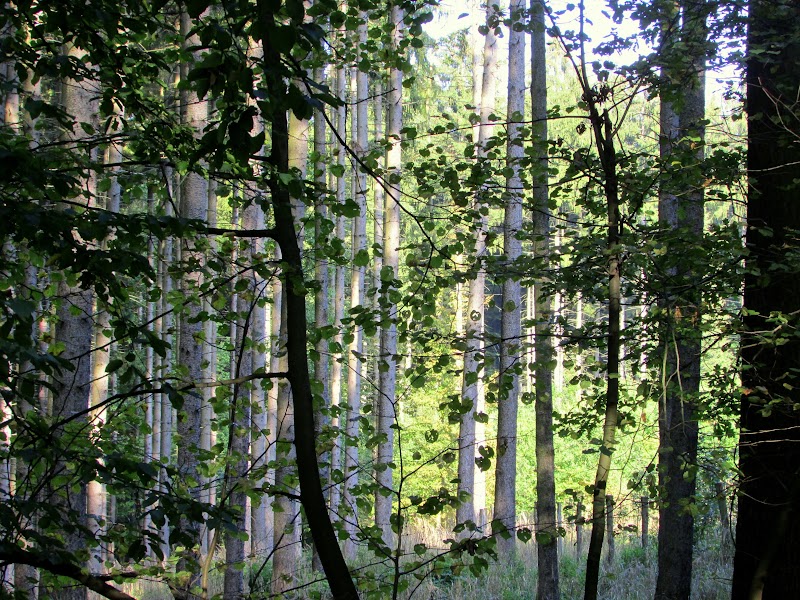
x=681, y=210
x=103, y=254
x=768, y=524
x=162, y=284
x=285, y=235
x=337, y=463
x=505, y=501
x=387, y=358
x=286, y=517
x=547, y=548
x=355, y=352
x=602, y=130
x=472, y=390
x=193, y=204
x=74, y=326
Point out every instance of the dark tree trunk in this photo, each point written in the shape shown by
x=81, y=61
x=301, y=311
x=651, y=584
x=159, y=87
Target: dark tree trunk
x=768, y=527
x=681, y=214
x=311, y=496
x=602, y=127
x=547, y=587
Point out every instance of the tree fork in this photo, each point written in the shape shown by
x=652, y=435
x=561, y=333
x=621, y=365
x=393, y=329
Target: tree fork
x=601, y=125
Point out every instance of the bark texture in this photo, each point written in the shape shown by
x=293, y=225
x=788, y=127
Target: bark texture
x=387, y=382
x=547, y=587
x=75, y=330
x=313, y=501
x=193, y=205
x=768, y=525
x=681, y=212
x=357, y=300
x=602, y=130
x=505, y=489
x=470, y=436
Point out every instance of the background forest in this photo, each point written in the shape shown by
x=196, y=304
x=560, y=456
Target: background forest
x=399, y=299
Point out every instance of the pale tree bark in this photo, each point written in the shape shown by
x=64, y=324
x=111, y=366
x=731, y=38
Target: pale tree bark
x=471, y=434
x=193, y=205
x=377, y=136
x=236, y=472
x=152, y=407
x=259, y=509
x=680, y=209
x=322, y=278
x=287, y=513
x=75, y=326
x=260, y=515
x=378, y=205
x=286, y=532
x=357, y=299
x=547, y=549
x=255, y=513
x=261, y=450
x=387, y=357
x=11, y=96
x=165, y=325
x=505, y=499
x=207, y=436
x=337, y=471
x=276, y=363
x=96, y=500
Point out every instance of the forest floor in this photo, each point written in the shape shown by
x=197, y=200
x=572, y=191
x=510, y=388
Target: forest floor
x=631, y=576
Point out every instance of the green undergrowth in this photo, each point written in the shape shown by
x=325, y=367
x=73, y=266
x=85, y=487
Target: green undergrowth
x=632, y=576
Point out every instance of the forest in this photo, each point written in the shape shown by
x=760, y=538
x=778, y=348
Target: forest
x=403, y=299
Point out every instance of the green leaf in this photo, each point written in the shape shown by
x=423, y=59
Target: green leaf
x=114, y=364
x=361, y=259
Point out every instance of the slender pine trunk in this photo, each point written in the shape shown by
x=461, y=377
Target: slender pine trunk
x=505, y=503
x=546, y=547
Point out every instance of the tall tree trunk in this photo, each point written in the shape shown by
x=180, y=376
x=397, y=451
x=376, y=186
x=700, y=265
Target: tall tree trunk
x=75, y=328
x=152, y=401
x=207, y=435
x=312, y=498
x=546, y=547
x=25, y=576
x=276, y=364
x=321, y=264
x=768, y=524
x=505, y=489
x=681, y=210
x=193, y=205
x=321, y=303
x=472, y=393
x=166, y=326
x=602, y=129
x=96, y=500
x=240, y=411
x=287, y=515
x=387, y=382
x=357, y=281
x=259, y=507
x=337, y=467
x=286, y=518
